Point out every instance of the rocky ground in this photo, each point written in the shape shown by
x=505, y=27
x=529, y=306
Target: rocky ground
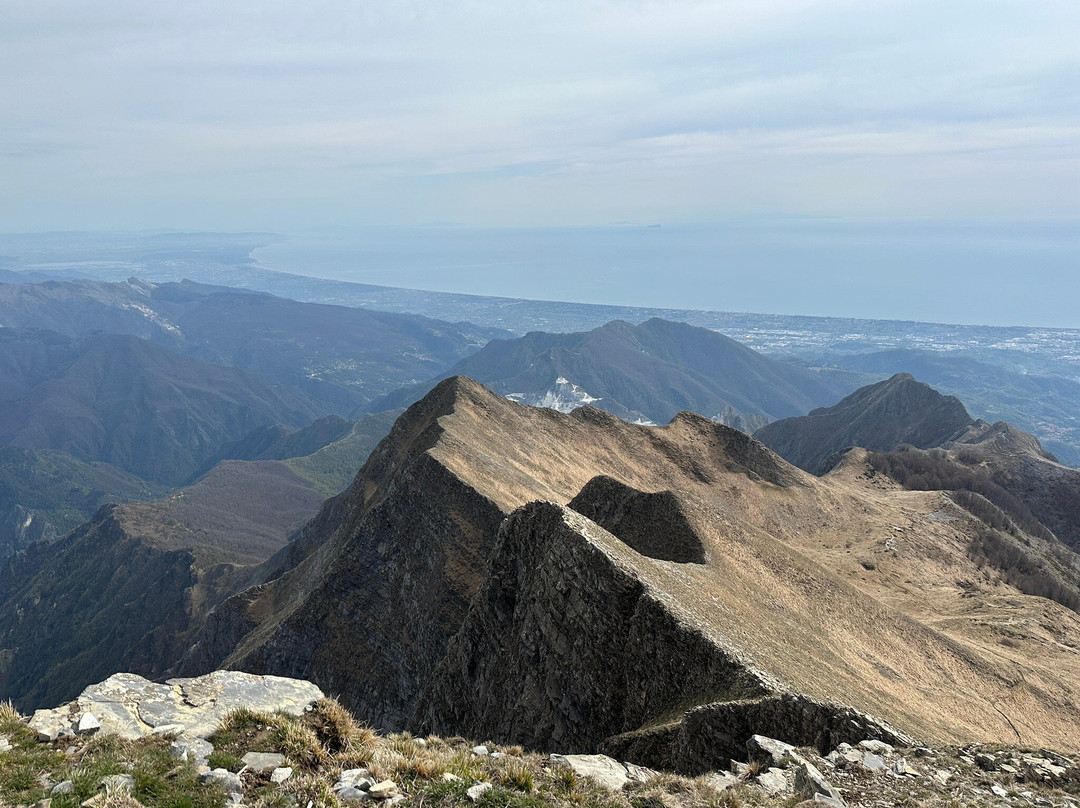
x=219, y=740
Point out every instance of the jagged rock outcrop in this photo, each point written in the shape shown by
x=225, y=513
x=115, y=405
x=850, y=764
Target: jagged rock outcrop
x=561, y=612
x=133, y=707
x=880, y=417
x=652, y=524
x=432, y=592
x=710, y=737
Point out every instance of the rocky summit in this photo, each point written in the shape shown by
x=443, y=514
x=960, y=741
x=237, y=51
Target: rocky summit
x=576, y=583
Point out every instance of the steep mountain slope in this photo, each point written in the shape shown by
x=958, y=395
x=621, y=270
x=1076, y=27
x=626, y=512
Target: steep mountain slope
x=126, y=589
x=130, y=403
x=338, y=356
x=189, y=550
x=44, y=494
x=880, y=416
x=645, y=372
x=431, y=594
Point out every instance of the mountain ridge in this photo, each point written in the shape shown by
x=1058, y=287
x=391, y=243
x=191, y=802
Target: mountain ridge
x=782, y=548
x=648, y=372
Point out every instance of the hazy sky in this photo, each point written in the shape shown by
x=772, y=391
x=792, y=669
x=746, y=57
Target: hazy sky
x=288, y=115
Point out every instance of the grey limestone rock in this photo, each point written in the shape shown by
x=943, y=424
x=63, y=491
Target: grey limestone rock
x=809, y=782
x=606, y=771
x=761, y=749
x=231, y=782
x=474, y=793
x=195, y=750
x=118, y=783
x=262, y=761
x=88, y=724
x=353, y=796
x=132, y=707
x=773, y=781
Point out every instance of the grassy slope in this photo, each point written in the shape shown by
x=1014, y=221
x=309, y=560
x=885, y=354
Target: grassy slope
x=333, y=467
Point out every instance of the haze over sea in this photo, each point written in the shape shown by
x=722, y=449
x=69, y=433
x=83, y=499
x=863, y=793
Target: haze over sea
x=990, y=273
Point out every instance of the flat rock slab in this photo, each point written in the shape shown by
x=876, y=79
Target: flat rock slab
x=606, y=771
x=262, y=761
x=132, y=707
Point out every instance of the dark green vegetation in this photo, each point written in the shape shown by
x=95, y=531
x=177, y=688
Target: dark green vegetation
x=649, y=371
x=102, y=598
x=327, y=453
x=280, y=441
x=331, y=468
x=879, y=417
x=44, y=494
x=125, y=590
x=131, y=403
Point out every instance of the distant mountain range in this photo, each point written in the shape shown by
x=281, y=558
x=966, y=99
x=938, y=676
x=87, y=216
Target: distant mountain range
x=1042, y=364
x=1046, y=405
x=130, y=403
x=338, y=357
x=647, y=372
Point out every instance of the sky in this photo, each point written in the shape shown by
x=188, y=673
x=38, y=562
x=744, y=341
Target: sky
x=952, y=117
x=288, y=115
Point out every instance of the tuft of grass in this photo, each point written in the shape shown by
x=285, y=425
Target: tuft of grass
x=517, y=775
x=299, y=744
x=224, y=760
x=726, y=799
x=564, y=780
x=501, y=798
x=337, y=728
x=311, y=788
x=9, y=716
x=242, y=719
x=466, y=766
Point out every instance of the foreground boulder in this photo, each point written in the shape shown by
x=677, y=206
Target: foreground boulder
x=132, y=707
